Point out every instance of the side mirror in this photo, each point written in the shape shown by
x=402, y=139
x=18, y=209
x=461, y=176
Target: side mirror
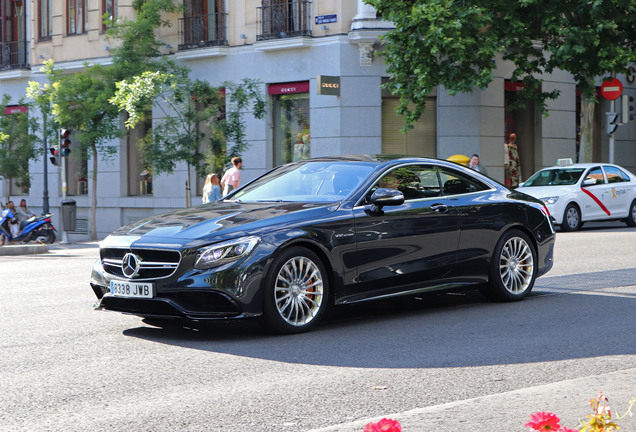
x=589, y=182
x=386, y=197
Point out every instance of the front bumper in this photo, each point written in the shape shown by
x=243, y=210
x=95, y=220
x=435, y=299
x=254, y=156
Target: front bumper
x=231, y=291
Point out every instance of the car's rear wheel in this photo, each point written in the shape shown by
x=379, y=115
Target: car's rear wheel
x=512, y=270
x=296, y=291
x=571, y=218
x=631, y=215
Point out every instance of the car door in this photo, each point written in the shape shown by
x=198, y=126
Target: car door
x=620, y=191
x=412, y=243
x=594, y=199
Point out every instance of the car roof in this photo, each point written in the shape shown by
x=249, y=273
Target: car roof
x=584, y=165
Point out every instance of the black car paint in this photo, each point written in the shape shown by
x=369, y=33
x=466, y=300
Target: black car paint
x=345, y=235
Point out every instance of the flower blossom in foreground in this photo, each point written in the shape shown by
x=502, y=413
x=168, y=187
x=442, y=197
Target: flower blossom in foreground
x=543, y=421
x=384, y=425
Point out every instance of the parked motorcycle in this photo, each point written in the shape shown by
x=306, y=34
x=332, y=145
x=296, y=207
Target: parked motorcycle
x=37, y=228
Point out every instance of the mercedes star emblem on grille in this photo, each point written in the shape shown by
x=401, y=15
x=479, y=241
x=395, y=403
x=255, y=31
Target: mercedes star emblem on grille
x=130, y=265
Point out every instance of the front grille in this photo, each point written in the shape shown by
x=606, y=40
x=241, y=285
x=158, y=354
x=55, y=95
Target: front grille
x=153, y=263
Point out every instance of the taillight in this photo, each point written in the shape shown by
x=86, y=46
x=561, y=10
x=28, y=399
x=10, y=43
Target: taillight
x=545, y=211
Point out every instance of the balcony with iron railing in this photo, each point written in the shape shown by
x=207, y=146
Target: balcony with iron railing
x=202, y=31
x=14, y=55
x=284, y=19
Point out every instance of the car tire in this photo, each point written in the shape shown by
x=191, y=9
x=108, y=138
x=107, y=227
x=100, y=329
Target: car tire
x=571, y=218
x=296, y=291
x=631, y=215
x=513, y=268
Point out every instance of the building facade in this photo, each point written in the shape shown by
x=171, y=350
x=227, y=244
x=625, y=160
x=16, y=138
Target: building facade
x=322, y=72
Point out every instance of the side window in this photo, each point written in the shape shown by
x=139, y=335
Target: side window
x=414, y=181
x=454, y=183
x=615, y=175
x=595, y=174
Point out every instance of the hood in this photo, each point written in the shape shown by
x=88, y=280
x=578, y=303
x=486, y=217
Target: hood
x=217, y=221
x=547, y=191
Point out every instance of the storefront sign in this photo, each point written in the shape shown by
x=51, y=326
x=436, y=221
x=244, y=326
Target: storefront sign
x=15, y=109
x=513, y=86
x=326, y=19
x=328, y=85
x=285, y=88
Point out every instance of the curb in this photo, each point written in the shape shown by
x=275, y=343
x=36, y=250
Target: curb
x=24, y=249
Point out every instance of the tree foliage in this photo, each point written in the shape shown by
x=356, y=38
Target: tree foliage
x=193, y=125
x=16, y=144
x=455, y=43
x=79, y=102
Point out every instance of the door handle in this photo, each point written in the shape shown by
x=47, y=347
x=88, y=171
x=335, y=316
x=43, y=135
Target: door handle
x=439, y=208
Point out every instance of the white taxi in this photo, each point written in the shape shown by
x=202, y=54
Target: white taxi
x=577, y=193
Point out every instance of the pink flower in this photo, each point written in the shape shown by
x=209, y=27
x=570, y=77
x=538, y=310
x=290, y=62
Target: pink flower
x=384, y=425
x=543, y=421
x=567, y=429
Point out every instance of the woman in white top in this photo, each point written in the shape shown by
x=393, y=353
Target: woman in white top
x=211, y=189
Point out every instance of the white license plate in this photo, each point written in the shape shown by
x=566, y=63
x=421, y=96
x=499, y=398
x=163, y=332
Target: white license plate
x=131, y=289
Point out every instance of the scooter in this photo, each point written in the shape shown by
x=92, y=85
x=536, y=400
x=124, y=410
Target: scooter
x=36, y=228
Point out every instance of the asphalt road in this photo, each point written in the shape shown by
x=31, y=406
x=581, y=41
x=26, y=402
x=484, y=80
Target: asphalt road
x=439, y=363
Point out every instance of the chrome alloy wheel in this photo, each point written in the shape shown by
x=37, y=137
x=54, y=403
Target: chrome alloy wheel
x=298, y=293
x=516, y=265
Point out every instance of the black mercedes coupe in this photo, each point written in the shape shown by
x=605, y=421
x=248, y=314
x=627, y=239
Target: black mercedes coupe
x=326, y=232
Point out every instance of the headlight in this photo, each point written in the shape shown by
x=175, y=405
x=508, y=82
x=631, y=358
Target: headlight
x=221, y=253
x=550, y=200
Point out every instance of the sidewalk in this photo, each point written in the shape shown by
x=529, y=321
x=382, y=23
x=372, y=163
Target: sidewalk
x=39, y=248
x=509, y=411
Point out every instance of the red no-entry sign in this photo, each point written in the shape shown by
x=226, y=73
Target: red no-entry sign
x=611, y=89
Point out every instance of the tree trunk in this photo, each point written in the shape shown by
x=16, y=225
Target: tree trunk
x=93, y=230
x=586, y=148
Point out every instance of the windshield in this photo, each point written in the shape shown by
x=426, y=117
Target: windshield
x=555, y=177
x=319, y=181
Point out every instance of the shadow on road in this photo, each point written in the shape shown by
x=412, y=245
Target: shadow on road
x=437, y=331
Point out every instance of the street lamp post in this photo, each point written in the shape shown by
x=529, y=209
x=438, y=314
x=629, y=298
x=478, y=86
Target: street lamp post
x=45, y=194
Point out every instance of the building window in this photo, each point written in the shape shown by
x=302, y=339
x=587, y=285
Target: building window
x=203, y=24
x=76, y=171
x=139, y=172
x=15, y=149
x=13, y=39
x=76, y=17
x=109, y=11
x=291, y=121
x=45, y=19
x=284, y=19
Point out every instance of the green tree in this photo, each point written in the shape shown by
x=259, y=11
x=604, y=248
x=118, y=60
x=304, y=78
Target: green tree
x=139, y=48
x=192, y=114
x=454, y=44
x=79, y=102
x=17, y=144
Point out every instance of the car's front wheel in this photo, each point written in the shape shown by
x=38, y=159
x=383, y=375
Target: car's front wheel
x=631, y=215
x=296, y=291
x=571, y=218
x=512, y=270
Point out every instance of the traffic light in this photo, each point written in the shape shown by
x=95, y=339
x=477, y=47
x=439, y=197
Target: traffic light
x=65, y=142
x=627, y=108
x=54, y=156
x=612, y=122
